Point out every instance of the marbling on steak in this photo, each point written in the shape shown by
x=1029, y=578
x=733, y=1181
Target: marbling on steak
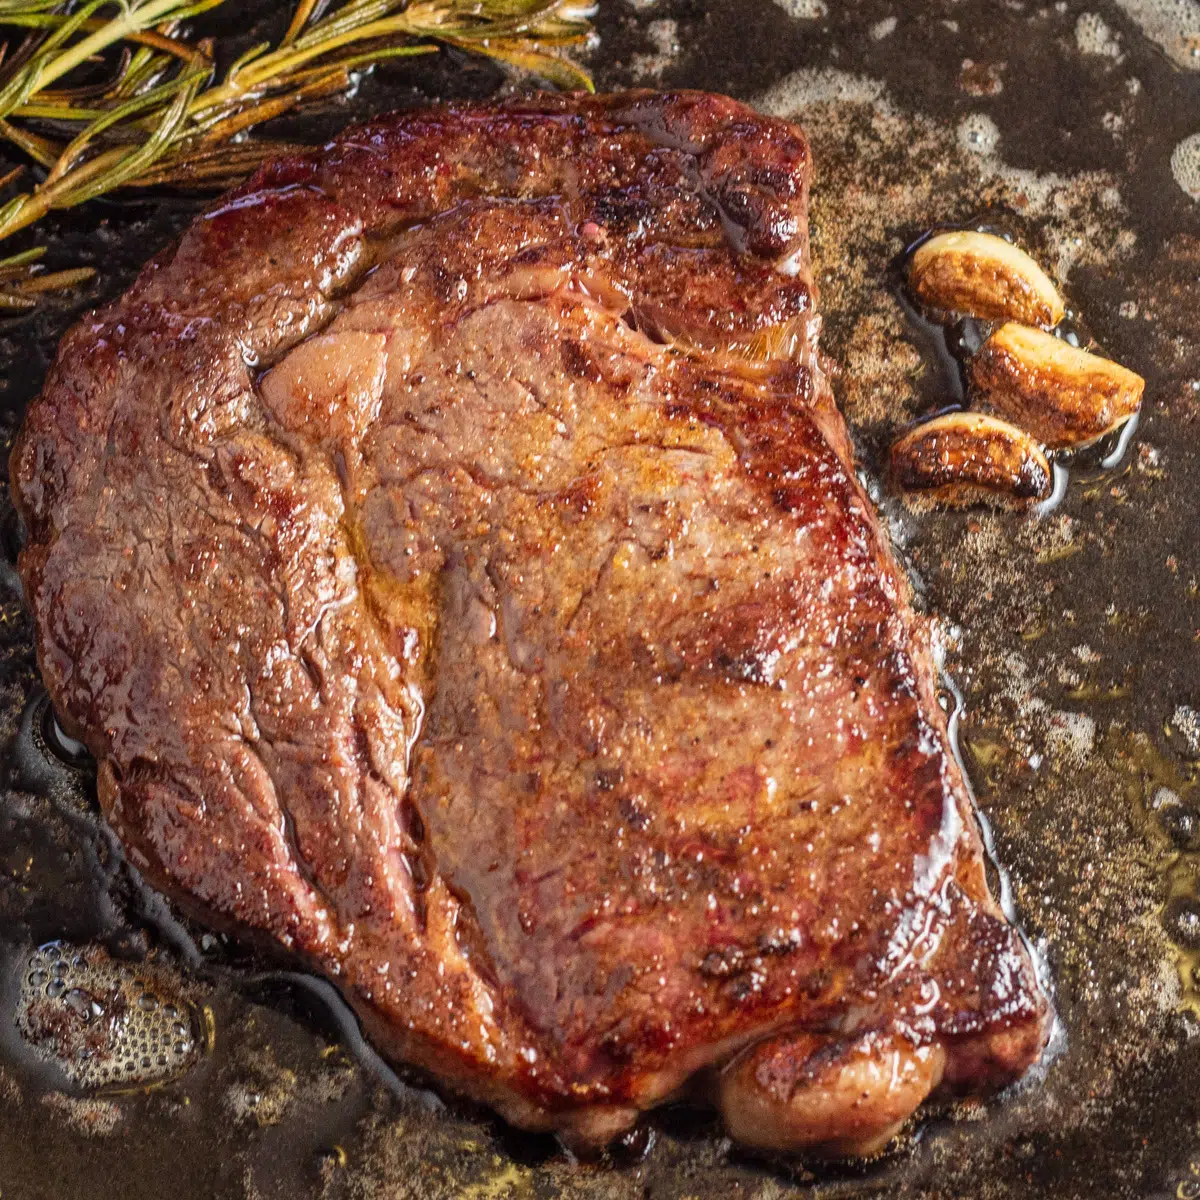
x=453, y=555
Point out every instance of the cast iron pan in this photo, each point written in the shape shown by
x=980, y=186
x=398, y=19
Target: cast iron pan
x=1075, y=639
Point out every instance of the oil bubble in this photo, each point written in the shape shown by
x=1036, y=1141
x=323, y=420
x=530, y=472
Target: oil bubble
x=1185, y=165
x=1094, y=37
x=106, y=1023
x=978, y=134
x=57, y=742
x=1173, y=25
x=1179, y=820
x=1183, y=731
x=819, y=85
x=1181, y=919
x=1181, y=823
x=804, y=10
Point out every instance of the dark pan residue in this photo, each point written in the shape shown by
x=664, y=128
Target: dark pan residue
x=1074, y=638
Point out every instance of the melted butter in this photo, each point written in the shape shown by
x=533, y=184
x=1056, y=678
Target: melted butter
x=1164, y=796
x=406, y=609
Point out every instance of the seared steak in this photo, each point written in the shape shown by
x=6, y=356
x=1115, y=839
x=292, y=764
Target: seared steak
x=453, y=556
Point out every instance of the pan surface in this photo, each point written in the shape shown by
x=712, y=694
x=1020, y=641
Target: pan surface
x=1074, y=638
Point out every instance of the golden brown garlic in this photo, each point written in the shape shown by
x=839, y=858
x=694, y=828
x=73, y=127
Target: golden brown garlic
x=1064, y=396
x=963, y=458
x=984, y=276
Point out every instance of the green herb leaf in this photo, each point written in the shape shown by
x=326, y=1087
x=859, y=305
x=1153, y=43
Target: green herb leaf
x=160, y=116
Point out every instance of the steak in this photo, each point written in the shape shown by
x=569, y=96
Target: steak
x=453, y=556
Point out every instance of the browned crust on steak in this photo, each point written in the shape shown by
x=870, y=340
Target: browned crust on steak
x=540, y=673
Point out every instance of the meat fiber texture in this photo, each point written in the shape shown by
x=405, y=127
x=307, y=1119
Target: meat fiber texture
x=453, y=556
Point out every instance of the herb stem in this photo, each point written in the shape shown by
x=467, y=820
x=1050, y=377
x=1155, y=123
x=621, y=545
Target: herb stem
x=162, y=117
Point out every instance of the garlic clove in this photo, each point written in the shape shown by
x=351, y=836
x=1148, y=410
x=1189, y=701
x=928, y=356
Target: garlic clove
x=982, y=275
x=1064, y=396
x=960, y=459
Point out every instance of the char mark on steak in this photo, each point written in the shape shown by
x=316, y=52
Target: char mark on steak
x=453, y=555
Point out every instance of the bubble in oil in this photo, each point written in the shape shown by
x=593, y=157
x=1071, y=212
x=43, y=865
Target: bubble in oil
x=106, y=1024
x=978, y=134
x=1179, y=820
x=1173, y=25
x=1094, y=37
x=1182, y=730
x=1181, y=918
x=61, y=744
x=1185, y=165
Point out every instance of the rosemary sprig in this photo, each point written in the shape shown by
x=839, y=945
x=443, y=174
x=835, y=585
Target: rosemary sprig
x=107, y=94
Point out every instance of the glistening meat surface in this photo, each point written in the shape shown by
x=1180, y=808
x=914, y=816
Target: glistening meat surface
x=453, y=556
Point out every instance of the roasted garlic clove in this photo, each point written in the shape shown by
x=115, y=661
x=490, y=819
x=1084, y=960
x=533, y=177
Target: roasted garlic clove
x=967, y=458
x=983, y=276
x=1064, y=396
